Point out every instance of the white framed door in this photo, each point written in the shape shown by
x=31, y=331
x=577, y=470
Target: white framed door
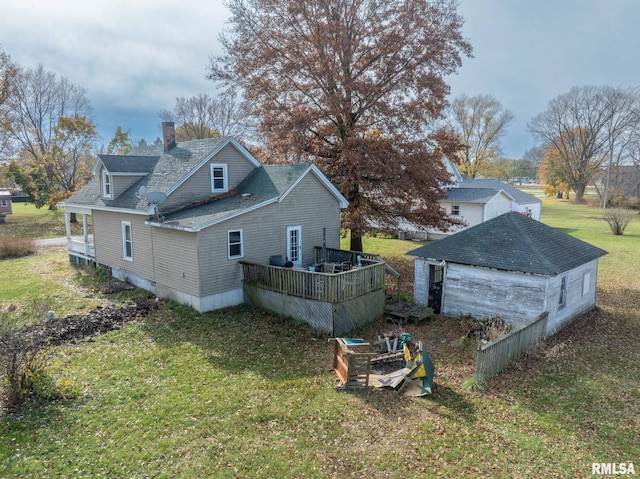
x=294, y=245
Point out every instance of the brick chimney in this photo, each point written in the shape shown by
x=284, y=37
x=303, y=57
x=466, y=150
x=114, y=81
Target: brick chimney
x=168, y=135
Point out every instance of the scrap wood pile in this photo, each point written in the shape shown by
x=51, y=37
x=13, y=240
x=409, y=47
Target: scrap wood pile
x=398, y=363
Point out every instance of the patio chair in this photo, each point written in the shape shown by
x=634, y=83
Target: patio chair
x=329, y=268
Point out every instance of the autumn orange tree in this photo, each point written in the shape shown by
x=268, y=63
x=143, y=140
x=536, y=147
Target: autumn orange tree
x=63, y=168
x=356, y=87
x=552, y=175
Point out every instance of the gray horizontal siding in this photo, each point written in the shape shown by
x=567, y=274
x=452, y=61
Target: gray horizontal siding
x=198, y=186
x=310, y=205
x=175, y=260
x=120, y=184
x=107, y=231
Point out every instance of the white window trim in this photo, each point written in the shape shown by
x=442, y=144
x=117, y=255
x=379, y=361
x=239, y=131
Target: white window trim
x=106, y=182
x=4, y=203
x=241, y=255
x=297, y=228
x=126, y=224
x=225, y=178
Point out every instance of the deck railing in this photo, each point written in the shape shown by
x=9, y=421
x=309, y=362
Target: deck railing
x=333, y=255
x=326, y=287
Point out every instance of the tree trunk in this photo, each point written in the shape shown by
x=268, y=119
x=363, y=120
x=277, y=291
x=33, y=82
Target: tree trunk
x=356, y=243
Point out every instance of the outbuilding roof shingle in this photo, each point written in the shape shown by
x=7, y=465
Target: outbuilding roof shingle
x=513, y=242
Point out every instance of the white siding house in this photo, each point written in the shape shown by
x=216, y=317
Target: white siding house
x=511, y=266
x=476, y=201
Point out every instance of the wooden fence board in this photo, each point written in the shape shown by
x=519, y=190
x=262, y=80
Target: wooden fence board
x=495, y=356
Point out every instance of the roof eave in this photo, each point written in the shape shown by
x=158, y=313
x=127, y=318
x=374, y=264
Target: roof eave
x=195, y=229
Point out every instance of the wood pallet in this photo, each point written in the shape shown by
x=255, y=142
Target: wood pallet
x=409, y=311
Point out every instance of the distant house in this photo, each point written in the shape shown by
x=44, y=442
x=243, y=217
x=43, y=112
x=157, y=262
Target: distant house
x=521, y=202
x=511, y=266
x=179, y=219
x=5, y=204
x=475, y=201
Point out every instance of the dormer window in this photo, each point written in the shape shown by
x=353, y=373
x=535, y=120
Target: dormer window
x=106, y=184
x=219, y=179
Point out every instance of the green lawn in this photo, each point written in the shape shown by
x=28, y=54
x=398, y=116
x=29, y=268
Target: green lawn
x=240, y=393
x=27, y=221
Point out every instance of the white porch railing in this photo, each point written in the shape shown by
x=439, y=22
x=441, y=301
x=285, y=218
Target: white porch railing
x=79, y=246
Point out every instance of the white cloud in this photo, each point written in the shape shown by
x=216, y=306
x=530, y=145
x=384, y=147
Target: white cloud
x=136, y=57
x=130, y=56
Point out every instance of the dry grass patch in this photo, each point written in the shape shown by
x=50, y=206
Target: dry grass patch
x=12, y=247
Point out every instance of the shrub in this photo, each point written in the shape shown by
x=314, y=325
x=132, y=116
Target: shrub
x=22, y=354
x=11, y=247
x=618, y=219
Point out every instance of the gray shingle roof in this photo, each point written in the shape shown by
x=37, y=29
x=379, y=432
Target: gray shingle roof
x=519, y=196
x=263, y=184
x=129, y=163
x=513, y=242
x=471, y=195
x=164, y=170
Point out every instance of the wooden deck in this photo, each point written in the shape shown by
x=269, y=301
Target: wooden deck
x=334, y=303
x=327, y=287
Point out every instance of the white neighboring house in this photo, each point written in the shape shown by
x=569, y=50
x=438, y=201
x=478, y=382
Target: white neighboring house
x=476, y=201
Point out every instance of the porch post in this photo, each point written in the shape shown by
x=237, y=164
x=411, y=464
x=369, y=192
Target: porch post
x=85, y=234
x=67, y=225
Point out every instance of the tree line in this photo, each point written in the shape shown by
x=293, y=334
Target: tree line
x=48, y=136
x=356, y=87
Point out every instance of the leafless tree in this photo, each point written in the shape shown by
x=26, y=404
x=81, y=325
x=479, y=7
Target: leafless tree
x=534, y=156
x=34, y=109
x=8, y=72
x=618, y=219
x=621, y=133
x=580, y=126
x=203, y=116
x=480, y=121
x=354, y=86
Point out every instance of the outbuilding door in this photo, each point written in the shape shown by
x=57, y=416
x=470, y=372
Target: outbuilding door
x=294, y=245
x=436, y=276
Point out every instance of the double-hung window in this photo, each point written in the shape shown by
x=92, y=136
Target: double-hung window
x=219, y=178
x=106, y=184
x=4, y=203
x=455, y=210
x=235, y=244
x=127, y=241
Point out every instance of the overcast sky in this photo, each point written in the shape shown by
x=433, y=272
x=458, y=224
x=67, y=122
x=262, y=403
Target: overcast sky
x=135, y=57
